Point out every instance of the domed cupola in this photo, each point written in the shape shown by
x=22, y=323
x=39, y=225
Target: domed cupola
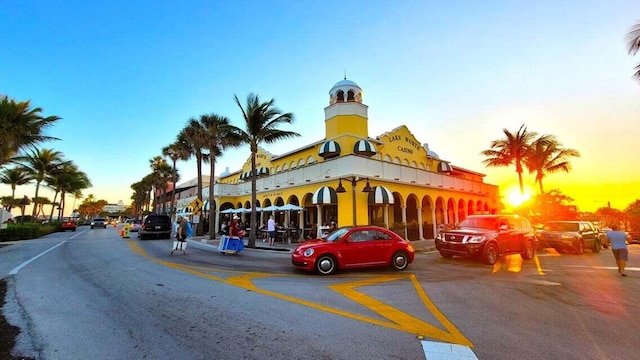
x=345, y=91
x=346, y=114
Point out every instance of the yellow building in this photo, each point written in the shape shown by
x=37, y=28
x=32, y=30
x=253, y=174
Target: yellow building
x=391, y=180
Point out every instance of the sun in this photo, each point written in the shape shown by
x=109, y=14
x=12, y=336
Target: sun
x=514, y=198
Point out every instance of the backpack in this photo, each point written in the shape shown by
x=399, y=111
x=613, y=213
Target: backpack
x=189, y=229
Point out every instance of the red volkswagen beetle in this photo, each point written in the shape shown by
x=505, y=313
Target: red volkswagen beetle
x=354, y=247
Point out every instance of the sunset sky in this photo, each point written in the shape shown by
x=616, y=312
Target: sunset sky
x=126, y=76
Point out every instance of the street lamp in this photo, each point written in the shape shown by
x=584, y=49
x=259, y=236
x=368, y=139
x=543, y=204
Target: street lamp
x=353, y=180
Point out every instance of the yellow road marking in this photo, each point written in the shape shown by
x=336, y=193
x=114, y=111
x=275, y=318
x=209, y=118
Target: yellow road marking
x=398, y=320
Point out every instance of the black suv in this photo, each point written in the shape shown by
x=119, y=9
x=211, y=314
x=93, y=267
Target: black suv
x=488, y=237
x=573, y=236
x=156, y=226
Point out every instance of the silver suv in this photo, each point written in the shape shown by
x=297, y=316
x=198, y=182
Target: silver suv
x=488, y=237
x=575, y=236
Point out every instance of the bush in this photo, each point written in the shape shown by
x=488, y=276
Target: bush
x=26, y=231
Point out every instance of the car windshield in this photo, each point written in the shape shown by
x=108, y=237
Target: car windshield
x=490, y=223
x=337, y=234
x=561, y=226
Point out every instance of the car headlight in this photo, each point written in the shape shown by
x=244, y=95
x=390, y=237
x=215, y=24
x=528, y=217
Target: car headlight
x=308, y=252
x=476, y=239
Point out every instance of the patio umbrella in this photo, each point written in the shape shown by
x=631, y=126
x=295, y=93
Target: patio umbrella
x=5, y=215
x=228, y=211
x=290, y=207
x=271, y=208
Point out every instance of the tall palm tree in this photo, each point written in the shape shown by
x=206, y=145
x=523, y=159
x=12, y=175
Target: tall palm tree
x=22, y=127
x=261, y=121
x=195, y=135
x=510, y=150
x=633, y=38
x=40, y=163
x=15, y=177
x=220, y=135
x=546, y=155
x=178, y=150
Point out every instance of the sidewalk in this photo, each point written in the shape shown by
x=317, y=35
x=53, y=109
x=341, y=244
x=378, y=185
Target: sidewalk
x=418, y=245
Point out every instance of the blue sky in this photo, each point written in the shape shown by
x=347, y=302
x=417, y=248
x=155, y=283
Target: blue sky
x=125, y=76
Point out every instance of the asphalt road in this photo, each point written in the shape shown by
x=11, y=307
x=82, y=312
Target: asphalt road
x=92, y=294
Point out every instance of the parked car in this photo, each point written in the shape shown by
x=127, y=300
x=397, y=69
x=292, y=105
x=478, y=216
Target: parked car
x=602, y=235
x=99, y=223
x=68, y=223
x=353, y=247
x=634, y=237
x=575, y=236
x=488, y=237
x=156, y=226
x=134, y=224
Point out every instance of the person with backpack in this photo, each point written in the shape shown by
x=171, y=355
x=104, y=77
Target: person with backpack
x=182, y=230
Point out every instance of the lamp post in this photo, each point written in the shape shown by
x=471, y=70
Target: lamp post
x=353, y=180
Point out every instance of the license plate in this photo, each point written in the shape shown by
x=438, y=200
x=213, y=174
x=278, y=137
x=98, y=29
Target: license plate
x=158, y=227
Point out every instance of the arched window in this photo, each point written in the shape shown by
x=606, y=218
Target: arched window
x=340, y=96
x=351, y=96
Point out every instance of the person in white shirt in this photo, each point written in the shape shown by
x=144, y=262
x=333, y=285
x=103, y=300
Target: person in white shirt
x=271, y=230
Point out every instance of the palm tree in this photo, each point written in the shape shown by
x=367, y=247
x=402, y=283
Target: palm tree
x=633, y=38
x=219, y=135
x=510, y=150
x=139, y=196
x=67, y=179
x=261, y=125
x=40, y=163
x=195, y=135
x=161, y=173
x=21, y=126
x=546, y=155
x=179, y=150
x=15, y=177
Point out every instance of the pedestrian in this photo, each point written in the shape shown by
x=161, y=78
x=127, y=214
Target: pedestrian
x=181, y=236
x=271, y=230
x=234, y=231
x=618, y=241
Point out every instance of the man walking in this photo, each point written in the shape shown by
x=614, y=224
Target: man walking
x=618, y=240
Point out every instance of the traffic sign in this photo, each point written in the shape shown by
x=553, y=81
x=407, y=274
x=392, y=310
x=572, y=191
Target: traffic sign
x=196, y=204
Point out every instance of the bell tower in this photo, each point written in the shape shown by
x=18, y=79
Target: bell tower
x=346, y=114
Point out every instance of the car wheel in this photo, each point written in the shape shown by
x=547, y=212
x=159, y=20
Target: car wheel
x=579, y=249
x=446, y=254
x=490, y=254
x=596, y=246
x=400, y=261
x=326, y=265
x=529, y=251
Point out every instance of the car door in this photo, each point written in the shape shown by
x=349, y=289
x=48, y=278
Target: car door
x=358, y=249
x=505, y=230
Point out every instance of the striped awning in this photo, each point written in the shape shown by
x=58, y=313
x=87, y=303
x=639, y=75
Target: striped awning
x=329, y=149
x=364, y=147
x=325, y=195
x=261, y=171
x=380, y=195
x=444, y=167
